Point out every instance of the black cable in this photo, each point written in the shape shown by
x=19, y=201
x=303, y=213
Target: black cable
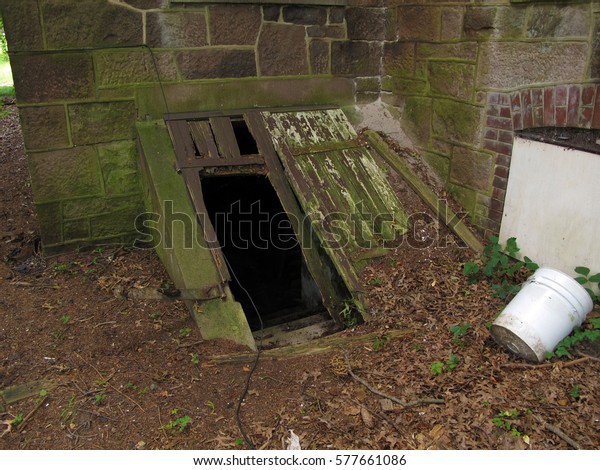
x=247, y=440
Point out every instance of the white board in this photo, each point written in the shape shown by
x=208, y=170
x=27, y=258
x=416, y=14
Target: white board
x=552, y=205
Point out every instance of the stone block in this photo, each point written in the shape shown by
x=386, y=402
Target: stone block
x=90, y=23
x=420, y=23
x=76, y=230
x=471, y=168
x=118, y=163
x=510, y=22
x=271, y=12
x=595, y=62
x=115, y=223
x=147, y=4
x=52, y=77
x=176, y=29
x=337, y=15
x=282, y=50
x=466, y=197
x=21, y=21
x=87, y=206
x=44, y=127
x=319, y=57
x=216, y=63
x=440, y=164
x=456, y=122
x=234, y=24
x=453, y=79
x=549, y=21
x=368, y=84
x=479, y=22
x=358, y=59
x=462, y=50
x=452, y=23
x=65, y=174
x=369, y=24
x=409, y=86
x=50, y=220
x=327, y=31
x=399, y=58
x=416, y=119
x=116, y=68
x=511, y=65
x=304, y=15
x=101, y=122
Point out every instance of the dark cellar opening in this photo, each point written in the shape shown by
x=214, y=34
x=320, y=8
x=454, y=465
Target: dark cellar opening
x=263, y=254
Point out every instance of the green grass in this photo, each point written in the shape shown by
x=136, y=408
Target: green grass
x=5, y=72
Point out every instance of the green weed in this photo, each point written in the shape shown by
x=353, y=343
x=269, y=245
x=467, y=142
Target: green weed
x=438, y=368
x=379, y=343
x=504, y=420
x=17, y=420
x=376, y=281
x=211, y=405
x=458, y=331
x=185, y=332
x=563, y=349
x=575, y=392
x=585, y=278
x=177, y=424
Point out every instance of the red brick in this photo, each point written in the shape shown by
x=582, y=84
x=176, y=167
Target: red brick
x=561, y=116
x=503, y=160
x=501, y=171
x=549, y=120
x=493, y=227
x=499, y=123
x=500, y=183
x=561, y=96
x=588, y=94
x=496, y=216
x=506, y=137
x=493, y=110
x=498, y=193
x=573, y=107
x=596, y=118
x=496, y=205
x=537, y=97
x=587, y=115
x=493, y=98
x=538, y=116
x=498, y=147
x=491, y=134
x=515, y=102
x=527, y=109
x=505, y=112
x=517, y=121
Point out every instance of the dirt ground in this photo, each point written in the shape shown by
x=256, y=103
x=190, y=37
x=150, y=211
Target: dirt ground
x=101, y=371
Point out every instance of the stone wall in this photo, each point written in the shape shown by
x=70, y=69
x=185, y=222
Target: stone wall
x=462, y=71
x=86, y=70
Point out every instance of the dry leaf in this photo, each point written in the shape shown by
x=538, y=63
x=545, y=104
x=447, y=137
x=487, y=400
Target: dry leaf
x=386, y=404
x=367, y=417
x=352, y=410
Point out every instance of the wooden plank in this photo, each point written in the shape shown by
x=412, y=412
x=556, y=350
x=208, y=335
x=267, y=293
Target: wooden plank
x=444, y=213
x=225, y=137
x=331, y=343
x=188, y=116
x=185, y=150
x=20, y=392
x=214, y=162
x=193, y=183
x=204, y=139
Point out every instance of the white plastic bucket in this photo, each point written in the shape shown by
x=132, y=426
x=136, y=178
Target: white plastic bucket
x=545, y=311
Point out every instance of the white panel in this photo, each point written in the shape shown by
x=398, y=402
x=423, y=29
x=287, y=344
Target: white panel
x=552, y=205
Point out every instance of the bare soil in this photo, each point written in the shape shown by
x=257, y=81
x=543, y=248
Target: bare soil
x=108, y=372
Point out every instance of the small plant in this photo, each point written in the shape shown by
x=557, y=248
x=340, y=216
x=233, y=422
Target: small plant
x=99, y=398
x=211, y=405
x=501, y=266
x=351, y=312
x=177, y=424
x=185, y=332
x=376, y=281
x=41, y=396
x=575, y=392
x=65, y=319
x=504, y=420
x=458, y=331
x=585, y=278
x=563, y=349
x=437, y=367
x=17, y=420
x=195, y=358
x=140, y=391
x=379, y=343
x=239, y=442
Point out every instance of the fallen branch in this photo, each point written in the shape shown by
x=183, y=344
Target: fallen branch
x=547, y=365
x=30, y=414
x=420, y=401
x=558, y=432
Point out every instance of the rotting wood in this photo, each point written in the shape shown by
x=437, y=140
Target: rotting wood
x=336, y=341
x=224, y=135
x=204, y=139
x=20, y=392
x=405, y=404
x=444, y=213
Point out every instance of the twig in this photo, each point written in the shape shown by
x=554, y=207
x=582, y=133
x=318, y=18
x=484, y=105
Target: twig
x=30, y=414
x=187, y=345
x=105, y=323
x=93, y=413
x=381, y=417
x=558, y=432
x=162, y=428
x=514, y=365
x=111, y=385
x=420, y=401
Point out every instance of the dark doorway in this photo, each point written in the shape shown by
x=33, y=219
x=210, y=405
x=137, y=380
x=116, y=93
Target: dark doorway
x=263, y=255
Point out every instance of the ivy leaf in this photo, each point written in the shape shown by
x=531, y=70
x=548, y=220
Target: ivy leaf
x=594, y=278
x=583, y=270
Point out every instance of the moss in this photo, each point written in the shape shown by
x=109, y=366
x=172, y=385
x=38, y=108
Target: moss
x=456, y=121
x=465, y=196
x=417, y=119
x=438, y=163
